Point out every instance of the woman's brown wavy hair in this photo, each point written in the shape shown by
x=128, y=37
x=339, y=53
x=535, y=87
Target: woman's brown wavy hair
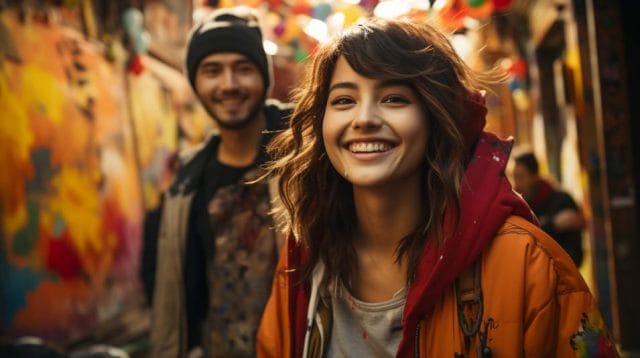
x=317, y=202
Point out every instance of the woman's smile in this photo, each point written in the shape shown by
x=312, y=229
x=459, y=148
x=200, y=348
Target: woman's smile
x=374, y=131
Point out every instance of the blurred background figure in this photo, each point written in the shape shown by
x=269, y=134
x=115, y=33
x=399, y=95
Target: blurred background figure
x=558, y=213
x=216, y=247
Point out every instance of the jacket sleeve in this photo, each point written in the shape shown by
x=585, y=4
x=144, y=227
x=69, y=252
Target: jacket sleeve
x=273, y=338
x=562, y=318
x=581, y=331
x=168, y=334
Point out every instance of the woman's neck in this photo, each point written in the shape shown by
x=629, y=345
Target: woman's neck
x=385, y=216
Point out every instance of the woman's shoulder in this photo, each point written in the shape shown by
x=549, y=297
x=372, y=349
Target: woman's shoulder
x=522, y=244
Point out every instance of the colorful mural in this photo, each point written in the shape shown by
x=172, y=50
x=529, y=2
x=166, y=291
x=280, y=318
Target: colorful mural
x=70, y=195
x=166, y=119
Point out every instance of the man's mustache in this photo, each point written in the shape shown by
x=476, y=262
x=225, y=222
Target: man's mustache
x=236, y=94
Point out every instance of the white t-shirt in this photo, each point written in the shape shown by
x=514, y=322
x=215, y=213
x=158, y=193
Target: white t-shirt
x=362, y=329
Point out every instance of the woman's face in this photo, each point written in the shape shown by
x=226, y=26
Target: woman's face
x=374, y=131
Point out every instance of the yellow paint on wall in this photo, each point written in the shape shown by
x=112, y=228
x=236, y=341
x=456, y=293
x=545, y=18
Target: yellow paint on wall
x=14, y=220
x=154, y=120
x=15, y=141
x=14, y=126
x=41, y=92
x=77, y=201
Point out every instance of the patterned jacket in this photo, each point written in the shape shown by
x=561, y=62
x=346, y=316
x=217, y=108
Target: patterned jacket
x=168, y=320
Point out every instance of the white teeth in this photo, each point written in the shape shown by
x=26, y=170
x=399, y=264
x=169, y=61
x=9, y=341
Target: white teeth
x=369, y=147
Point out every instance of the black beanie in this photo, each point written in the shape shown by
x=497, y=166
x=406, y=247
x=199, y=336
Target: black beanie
x=228, y=30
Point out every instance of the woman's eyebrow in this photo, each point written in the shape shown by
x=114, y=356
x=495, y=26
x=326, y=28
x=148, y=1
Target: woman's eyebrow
x=382, y=84
x=347, y=85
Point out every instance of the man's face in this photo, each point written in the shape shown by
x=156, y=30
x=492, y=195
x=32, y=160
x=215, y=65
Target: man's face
x=523, y=180
x=230, y=87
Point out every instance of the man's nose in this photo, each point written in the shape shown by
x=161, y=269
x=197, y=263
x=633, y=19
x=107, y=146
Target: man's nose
x=229, y=80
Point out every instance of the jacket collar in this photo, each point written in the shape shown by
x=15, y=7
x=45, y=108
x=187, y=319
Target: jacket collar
x=193, y=160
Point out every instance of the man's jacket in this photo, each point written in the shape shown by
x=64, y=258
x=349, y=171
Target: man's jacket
x=168, y=321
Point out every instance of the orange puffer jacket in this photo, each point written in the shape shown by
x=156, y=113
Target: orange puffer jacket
x=535, y=304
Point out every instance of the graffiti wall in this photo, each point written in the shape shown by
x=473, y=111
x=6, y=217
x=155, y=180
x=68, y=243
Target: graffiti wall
x=71, y=203
x=166, y=118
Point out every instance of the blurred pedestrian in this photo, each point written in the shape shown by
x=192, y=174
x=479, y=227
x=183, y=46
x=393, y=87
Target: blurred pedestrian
x=558, y=213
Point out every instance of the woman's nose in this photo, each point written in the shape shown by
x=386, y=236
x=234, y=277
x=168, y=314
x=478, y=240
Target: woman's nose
x=366, y=116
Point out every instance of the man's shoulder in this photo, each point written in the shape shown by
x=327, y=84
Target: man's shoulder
x=189, y=154
x=191, y=162
x=562, y=200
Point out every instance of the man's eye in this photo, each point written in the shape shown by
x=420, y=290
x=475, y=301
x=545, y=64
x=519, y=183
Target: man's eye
x=245, y=69
x=210, y=71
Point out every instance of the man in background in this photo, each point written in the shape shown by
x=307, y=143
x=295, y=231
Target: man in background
x=556, y=210
x=217, y=247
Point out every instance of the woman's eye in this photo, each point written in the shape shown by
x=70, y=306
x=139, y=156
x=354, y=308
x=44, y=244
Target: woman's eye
x=395, y=99
x=341, y=101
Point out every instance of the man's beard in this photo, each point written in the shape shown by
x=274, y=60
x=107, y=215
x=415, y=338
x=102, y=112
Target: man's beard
x=238, y=123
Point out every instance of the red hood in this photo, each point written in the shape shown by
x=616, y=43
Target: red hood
x=475, y=119
x=486, y=201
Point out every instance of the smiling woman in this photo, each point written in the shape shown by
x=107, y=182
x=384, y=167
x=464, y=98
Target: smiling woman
x=374, y=131
x=418, y=246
